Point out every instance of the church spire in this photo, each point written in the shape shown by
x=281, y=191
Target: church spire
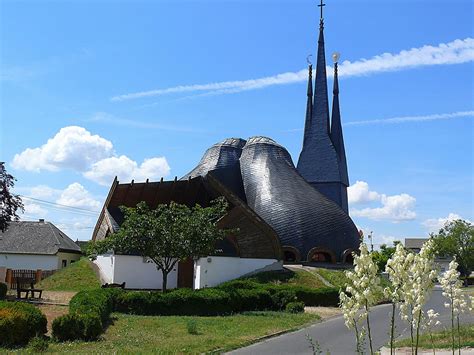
x=336, y=126
x=320, y=103
x=309, y=101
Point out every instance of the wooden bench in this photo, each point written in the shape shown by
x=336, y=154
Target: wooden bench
x=107, y=285
x=26, y=285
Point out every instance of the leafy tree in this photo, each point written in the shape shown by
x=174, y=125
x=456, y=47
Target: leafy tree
x=381, y=256
x=9, y=203
x=456, y=239
x=168, y=233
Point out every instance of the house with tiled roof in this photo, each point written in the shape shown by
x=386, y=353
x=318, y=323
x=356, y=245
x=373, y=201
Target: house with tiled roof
x=34, y=245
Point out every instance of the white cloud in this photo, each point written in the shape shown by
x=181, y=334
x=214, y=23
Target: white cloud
x=360, y=193
x=77, y=149
x=75, y=195
x=43, y=191
x=435, y=224
x=33, y=210
x=404, y=119
x=393, y=208
x=72, y=147
x=455, y=52
x=104, y=171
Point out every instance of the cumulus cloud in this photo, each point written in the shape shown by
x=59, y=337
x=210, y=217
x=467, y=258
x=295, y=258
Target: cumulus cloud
x=34, y=210
x=72, y=147
x=360, y=193
x=395, y=208
x=433, y=225
x=77, y=149
x=455, y=52
x=75, y=195
x=126, y=169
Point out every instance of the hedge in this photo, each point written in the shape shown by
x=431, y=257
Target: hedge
x=90, y=310
x=88, y=313
x=3, y=290
x=19, y=322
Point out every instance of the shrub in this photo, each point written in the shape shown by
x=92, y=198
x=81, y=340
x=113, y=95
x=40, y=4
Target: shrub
x=191, y=326
x=326, y=297
x=3, y=291
x=38, y=344
x=19, y=322
x=243, y=300
x=295, y=307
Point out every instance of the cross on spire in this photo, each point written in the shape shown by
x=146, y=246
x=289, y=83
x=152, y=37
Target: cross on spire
x=321, y=6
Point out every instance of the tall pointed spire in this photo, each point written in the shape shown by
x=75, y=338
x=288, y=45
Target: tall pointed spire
x=336, y=133
x=309, y=102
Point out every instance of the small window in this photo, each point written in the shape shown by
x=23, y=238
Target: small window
x=72, y=261
x=64, y=263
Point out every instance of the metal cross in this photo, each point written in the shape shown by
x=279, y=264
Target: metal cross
x=321, y=6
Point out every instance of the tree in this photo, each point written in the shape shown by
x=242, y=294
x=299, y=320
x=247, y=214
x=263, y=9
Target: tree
x=168, y=233
x=381, y=256
x=456, y=239
x=9, y=203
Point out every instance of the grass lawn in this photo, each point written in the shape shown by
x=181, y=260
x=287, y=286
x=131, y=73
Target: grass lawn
x=334, y=277
x=142, y=334
x=75, y=277
x=292, y=277
x=442, y=339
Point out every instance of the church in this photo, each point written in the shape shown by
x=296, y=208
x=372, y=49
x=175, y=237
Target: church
x=280, y=212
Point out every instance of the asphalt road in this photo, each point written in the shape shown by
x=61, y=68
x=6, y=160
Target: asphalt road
x=333, y=336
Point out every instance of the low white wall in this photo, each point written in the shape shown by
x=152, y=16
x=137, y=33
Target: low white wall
x=214, y=270
x=134, y=271
x=29, y=262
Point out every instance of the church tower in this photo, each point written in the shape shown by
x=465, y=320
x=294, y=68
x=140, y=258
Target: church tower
x=322, y=160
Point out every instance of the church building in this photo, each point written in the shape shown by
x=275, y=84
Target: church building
x=283, y=212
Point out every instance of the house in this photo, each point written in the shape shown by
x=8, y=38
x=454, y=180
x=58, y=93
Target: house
x=415, y=244
x=29, y=245
x=252, y=247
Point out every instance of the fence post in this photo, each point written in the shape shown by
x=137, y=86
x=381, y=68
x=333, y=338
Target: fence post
x=9, y=277
x=39, y=275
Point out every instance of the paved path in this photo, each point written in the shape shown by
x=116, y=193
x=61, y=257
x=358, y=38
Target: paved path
x=333, y=335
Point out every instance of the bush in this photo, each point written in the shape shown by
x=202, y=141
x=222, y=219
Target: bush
x=19, y=322
x=88, y=313
x=192, y=327
x=3, y=290
x=295, y=307
x=38, y=344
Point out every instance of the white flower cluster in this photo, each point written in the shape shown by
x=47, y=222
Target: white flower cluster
x=432, y=319
x=363, y=284
x=418, y=285
x=452, y=289
x=397, y=268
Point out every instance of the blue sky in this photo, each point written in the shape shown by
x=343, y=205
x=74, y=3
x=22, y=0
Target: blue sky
x=94, y=89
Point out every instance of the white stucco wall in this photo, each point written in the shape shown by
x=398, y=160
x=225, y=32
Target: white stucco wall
x=134, y=271
x=29, y=262
x=214, y=270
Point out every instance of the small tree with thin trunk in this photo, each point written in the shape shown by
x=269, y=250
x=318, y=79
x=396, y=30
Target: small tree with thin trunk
x=167, y=234
x=9, y=203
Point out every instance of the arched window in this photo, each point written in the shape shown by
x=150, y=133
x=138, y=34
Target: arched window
x=321, y=255
x=291, y=254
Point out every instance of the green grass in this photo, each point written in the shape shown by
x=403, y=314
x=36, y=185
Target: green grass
x=334, y=277
x=442, y=339
x=297, y=277
x=142, y=334
x=75, y=277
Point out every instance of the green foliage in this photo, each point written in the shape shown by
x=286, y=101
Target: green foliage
x=295, y=307
x=381, y=256
x=78, y=276
x=88, y=313
x=337, y=278
x=456, y=239
x=10, y=203
x=38, y=344
x=19, y=322
x=192, y=327
x=3, y=291
x=293, y=277
x=168, y=233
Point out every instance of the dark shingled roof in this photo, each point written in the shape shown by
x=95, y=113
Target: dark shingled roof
x=35, y=238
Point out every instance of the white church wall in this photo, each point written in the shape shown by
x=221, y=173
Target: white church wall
x=137, y=272
x=214, y=270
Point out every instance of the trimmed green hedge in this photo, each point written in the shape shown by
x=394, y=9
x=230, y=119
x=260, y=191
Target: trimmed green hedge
x=3, y=290
x=19, y=322
x=90, y=310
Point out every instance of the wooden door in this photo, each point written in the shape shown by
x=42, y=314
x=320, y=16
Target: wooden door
x=186, y=273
